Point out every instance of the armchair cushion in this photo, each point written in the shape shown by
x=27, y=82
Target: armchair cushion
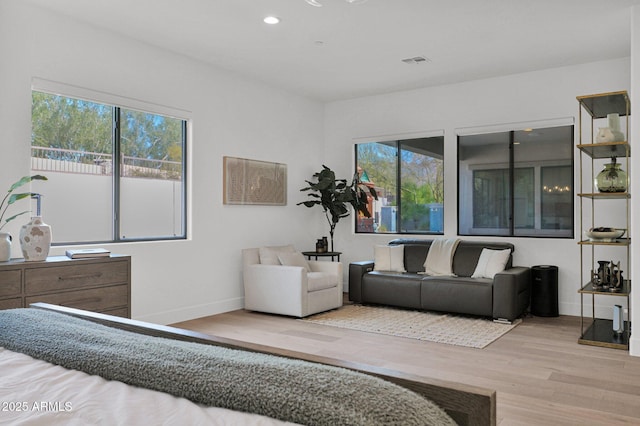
x=293, y=259
x=320, y=281
x=269, y=255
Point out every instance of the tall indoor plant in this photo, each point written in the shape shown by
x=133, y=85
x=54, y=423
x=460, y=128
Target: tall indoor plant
x=9, y=199
x=335, y=195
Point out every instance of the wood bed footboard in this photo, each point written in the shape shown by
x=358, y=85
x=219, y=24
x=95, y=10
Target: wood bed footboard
x=467, y=405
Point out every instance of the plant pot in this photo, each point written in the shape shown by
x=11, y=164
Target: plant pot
x=35, y=240
x=5, y=246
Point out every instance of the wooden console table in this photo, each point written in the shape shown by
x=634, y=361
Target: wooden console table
x=99, y=284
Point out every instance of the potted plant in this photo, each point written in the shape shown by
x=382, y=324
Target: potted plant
x=335, y=195
x=9, y=199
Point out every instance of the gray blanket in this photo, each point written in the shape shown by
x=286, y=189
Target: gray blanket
x=277, y=387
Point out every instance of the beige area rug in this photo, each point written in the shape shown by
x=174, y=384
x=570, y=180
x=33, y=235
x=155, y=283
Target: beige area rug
x=434, y=327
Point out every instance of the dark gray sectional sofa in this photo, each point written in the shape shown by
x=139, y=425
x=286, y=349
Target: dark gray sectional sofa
x=505, y=297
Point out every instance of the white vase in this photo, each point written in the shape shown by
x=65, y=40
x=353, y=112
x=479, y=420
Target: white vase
x=35, y=240
x=5, y=246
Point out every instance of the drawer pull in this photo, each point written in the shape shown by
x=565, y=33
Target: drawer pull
x=80, y=277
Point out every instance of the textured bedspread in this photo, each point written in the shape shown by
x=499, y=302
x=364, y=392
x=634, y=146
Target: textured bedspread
x=285, y=389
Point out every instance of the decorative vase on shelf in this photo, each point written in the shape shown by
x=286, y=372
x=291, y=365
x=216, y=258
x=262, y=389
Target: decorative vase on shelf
x=35, y=240
x=5, y=246
x=612, y=178
x=611, y=133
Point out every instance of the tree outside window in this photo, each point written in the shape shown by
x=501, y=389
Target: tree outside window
x=120, y=170
x=408, y=176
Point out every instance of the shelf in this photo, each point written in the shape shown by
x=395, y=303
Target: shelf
x=605, y=195
x=606, y=149
x=600, y=333
x=588, y=289
x=619, y=242
x=598, y=106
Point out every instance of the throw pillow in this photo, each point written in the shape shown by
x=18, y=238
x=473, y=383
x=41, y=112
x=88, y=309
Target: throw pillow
x=294, y=259
x=388, y=258
x=439, y=261
x=269, y=255
x=491, y=262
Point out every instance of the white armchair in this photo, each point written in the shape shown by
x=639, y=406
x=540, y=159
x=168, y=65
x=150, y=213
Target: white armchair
x=279, y=280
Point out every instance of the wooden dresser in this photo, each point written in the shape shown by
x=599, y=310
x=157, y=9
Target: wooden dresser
x=100, y=284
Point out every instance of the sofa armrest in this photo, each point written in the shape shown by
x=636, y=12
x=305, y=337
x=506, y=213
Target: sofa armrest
x=356, y=272
x=511, y=293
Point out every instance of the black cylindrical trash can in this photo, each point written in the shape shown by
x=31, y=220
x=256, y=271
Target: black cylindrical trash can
x=544, y=291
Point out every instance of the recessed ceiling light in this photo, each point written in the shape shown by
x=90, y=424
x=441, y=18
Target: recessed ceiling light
x=271, y=20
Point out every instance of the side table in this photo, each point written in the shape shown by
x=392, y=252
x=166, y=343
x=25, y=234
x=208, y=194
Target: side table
x=332, y=254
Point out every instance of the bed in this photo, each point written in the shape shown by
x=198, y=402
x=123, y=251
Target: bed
x=63, y=366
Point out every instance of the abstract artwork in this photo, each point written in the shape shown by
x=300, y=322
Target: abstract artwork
x=254, y=182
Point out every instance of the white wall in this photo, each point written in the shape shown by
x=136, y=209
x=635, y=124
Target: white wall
x=230, y=115
x=530, y=97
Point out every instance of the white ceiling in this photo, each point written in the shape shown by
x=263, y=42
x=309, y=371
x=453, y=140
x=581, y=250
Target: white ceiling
x=344, y=50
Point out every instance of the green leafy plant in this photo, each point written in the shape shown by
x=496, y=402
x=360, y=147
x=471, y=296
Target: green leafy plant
x=336, y=195
x=10, y=198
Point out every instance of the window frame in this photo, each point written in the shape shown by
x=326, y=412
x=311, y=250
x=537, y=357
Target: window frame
x=398, y=146
x=512, y=230
x=117, y=104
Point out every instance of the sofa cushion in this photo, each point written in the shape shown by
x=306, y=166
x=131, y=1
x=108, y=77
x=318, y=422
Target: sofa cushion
x=293, y=259
x=414, y=257
x=320, y=281
x=389, y=258
x=392, y=288
x=269, y=255
x=473, y=296
x=491, y=262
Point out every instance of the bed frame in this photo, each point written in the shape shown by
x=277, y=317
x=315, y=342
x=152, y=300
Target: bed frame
x=467, y=405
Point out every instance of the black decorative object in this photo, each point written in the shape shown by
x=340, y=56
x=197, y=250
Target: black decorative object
x=608, y=277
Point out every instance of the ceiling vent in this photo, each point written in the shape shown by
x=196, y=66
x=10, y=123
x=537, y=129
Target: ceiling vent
x=416, y=60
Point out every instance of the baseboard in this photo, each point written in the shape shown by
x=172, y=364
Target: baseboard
x=173, y=316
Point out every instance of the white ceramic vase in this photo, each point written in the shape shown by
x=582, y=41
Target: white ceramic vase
x=35, y=240
x=5, y=246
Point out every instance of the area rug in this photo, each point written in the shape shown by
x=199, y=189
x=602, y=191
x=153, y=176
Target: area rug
x=434, y=327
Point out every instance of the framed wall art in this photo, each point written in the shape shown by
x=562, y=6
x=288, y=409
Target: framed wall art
x=254, y=182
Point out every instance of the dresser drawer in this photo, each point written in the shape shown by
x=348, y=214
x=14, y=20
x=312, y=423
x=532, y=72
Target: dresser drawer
x=95, y=299
x=10, y=283
x=71, y=276
x=11, y=303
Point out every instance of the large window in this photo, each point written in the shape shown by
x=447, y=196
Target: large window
x=516, y=183
x=115, y=174
x=408, y=177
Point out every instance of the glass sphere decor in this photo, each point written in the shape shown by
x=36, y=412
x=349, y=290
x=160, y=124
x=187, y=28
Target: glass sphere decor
x=612, y=178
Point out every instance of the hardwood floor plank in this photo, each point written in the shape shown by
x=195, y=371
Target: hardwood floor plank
x=541, y=374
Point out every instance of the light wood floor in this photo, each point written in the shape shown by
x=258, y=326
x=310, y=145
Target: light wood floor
x=541, y=374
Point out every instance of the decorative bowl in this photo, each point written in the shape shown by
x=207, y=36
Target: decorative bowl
x=605, y=234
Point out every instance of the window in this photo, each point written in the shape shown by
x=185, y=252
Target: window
x=115, y=174
x=408, y=177
x=516, y=183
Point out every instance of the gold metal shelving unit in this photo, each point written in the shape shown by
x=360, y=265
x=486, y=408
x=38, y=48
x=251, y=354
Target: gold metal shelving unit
x=598, y=331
